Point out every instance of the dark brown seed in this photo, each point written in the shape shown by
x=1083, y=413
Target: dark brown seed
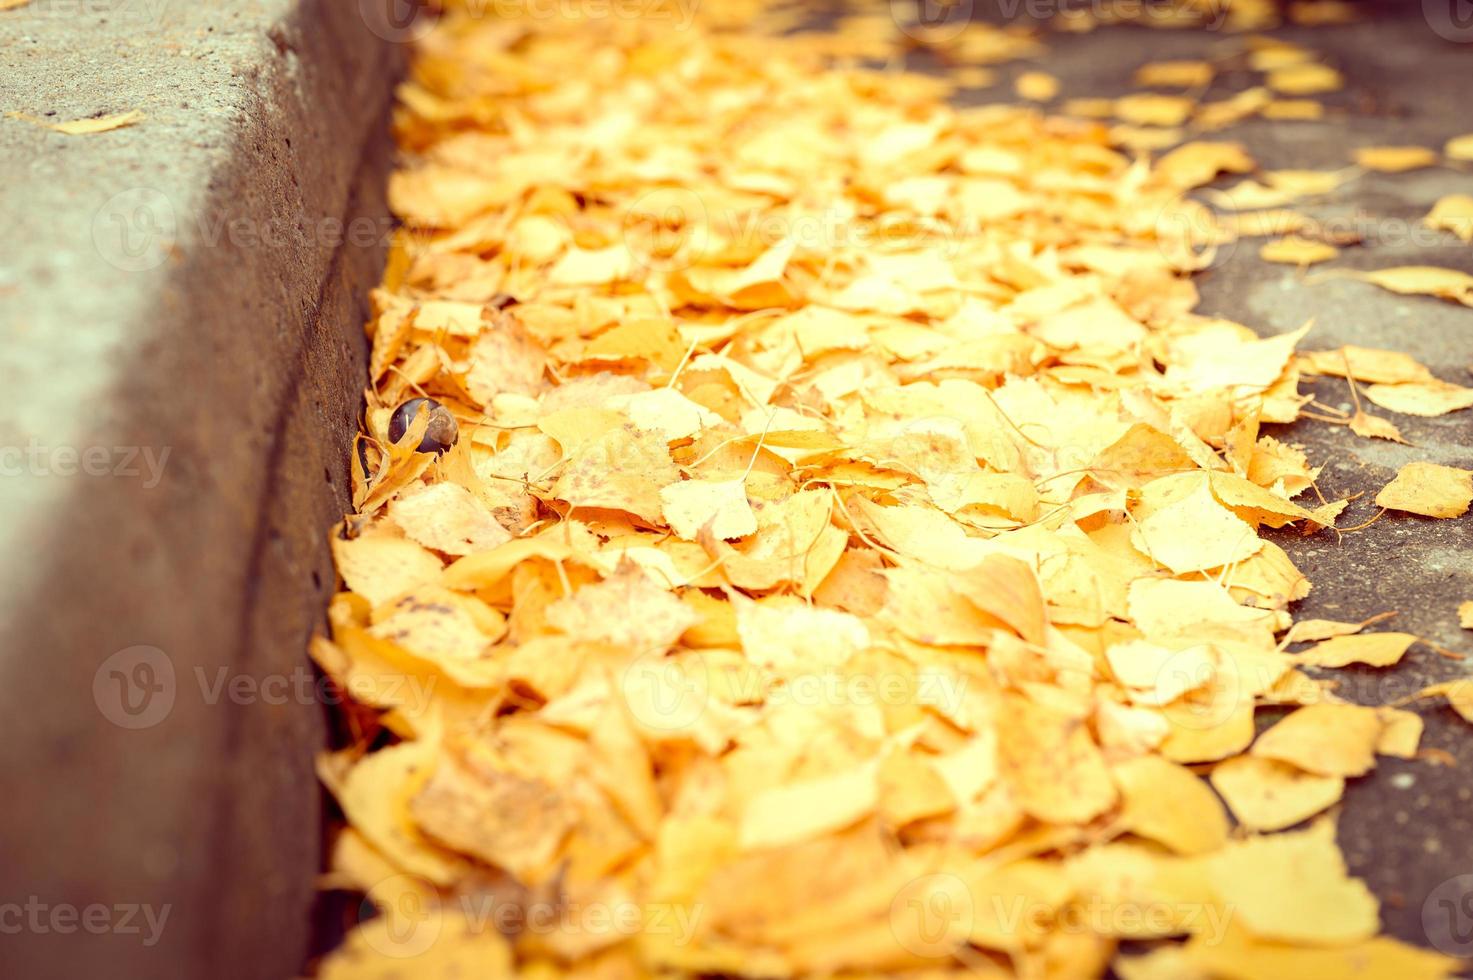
x=439, y=435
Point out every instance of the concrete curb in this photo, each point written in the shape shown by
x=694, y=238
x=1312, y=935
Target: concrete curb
x=181, y=303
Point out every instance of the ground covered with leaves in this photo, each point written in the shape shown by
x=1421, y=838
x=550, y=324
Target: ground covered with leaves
x=845, y=560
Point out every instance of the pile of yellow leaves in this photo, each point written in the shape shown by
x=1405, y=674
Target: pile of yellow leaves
x=848, y=564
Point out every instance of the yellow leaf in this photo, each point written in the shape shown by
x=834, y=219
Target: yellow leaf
x=1293, y=887
x=1304, y=79
x=1453, y=213
x=1175, y=74
x=1425, y=398
x=1297, y=251
x=1036, y=86
x=1266, y=794
x=1395, y=159
x=720, y=505
x=1327, y=739
x=85, y=127
x=1426, y=280
x=1459, y=147
x=1167, y=803
x=1429, y=489
x=1053, y=767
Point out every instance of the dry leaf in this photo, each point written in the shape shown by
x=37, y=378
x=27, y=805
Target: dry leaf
x=1453, y=213
x=1459, y=147
x=1297, y=251
x=1293, y=888
x=1427, y=398
x=1036, y=86
x=1459, y=695
x=1429, y=489
x=1395, y=159
x=1373, y=649
x=85, y=127
x=1304, y=79
x=1265, y=794
x=843, y=519
x=1174, y=74
x=1426, y=280
x=1326, y=739
x=1167, y=803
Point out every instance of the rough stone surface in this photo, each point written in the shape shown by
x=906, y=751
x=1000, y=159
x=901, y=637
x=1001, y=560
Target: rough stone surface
x=185, y=287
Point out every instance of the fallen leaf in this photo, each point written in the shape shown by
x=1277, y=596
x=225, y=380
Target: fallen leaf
x=85, y=127
x=1429, y=489
x=1036, y=86
x=1265, y=794
x=1297, y=251
x=1452, y=213
x=1373, y=649
x=1304, y=79
x=1395, y=159
x=1426, y=280
x=1293, y=888
x=1459, y=147
x=1326, y=739
x=1427, y=398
